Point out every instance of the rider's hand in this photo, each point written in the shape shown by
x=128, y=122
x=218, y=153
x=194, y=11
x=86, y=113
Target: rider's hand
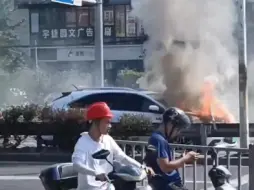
x=101, y=177
x=149, y=171
x=191, y=157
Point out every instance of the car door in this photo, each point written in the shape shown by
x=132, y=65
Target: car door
x=129, y=103
x=156, y=116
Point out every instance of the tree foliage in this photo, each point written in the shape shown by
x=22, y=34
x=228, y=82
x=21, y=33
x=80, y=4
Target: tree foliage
x=128, y=78
x=11, y=58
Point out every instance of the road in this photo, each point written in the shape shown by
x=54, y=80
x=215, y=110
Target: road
x=24, y=176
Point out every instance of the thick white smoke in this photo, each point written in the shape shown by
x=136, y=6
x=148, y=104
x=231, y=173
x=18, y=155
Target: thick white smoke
x=190, y=40
x=29, y=86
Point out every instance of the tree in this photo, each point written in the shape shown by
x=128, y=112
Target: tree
x=128, y=78
x=11, y=58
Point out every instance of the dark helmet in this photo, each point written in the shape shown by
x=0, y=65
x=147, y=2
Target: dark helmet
x=177, y=118
x=219, y=175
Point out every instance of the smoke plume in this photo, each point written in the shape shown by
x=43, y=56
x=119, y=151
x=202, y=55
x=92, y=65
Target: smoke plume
x=190, y=41
x=29, y=86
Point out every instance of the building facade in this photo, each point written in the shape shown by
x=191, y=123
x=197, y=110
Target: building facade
x=61, y=37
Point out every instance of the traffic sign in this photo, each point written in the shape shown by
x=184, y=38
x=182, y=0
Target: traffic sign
x=73, y=2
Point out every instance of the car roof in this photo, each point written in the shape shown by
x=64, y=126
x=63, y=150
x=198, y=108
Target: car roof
x=104, y=88
x=96, y=90
x=80, y=93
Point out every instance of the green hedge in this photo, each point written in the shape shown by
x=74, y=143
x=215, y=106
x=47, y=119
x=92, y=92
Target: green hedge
x=65, y=126
x=42, y=114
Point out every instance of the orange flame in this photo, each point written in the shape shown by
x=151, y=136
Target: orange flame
x=211, y=108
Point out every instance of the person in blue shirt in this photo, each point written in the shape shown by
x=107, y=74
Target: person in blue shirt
x=166, y=169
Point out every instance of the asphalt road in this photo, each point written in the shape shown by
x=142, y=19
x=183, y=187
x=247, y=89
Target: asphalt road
x=24, y=176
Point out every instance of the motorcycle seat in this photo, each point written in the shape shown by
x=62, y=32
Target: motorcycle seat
x=61, y=171
x=59, y=176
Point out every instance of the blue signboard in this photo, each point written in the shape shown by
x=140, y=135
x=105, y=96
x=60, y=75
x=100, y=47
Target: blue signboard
x=73, y=2
x=67, y=2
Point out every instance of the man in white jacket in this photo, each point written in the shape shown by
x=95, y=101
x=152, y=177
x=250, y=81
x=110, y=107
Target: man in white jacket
x=99, y=115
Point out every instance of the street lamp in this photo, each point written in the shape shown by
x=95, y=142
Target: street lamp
x=99, y=60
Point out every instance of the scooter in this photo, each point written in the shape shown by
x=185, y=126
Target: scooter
x=123, y=177
x=64, y=177
x=219, y=174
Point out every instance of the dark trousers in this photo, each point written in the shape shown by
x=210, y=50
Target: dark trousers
x=158, y=183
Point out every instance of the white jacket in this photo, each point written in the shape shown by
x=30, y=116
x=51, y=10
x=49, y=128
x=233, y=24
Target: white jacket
x=88, y=167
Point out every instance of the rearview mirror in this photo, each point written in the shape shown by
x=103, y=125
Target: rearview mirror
x=154, y=108
x=101, y=154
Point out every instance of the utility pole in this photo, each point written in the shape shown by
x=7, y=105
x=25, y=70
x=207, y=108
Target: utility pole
x=243, y=79
x=99, y=59
x=36, y=63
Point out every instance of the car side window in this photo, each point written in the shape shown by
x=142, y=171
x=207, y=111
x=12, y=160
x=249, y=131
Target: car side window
x=90, y=99
x=128, y=102
x=133, y=102
x=116, y=101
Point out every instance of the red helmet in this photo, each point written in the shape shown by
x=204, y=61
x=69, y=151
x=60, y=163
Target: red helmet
x=98, y=110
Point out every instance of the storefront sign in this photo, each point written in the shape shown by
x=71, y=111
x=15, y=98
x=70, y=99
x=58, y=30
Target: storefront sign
x=109, y=31
x=72, y=33
x=65, y=33
x=114, y=52
x=76, y=54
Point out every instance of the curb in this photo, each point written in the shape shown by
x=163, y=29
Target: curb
x=35, y=157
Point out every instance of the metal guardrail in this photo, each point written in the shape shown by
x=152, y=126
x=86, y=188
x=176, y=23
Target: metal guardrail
x=203, y=131
x=237, y=151
x=222, y=130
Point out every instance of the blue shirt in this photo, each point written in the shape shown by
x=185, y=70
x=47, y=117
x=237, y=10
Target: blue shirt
x=164, y=150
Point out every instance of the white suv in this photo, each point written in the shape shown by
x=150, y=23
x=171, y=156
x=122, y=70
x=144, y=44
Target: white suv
x=120, y=100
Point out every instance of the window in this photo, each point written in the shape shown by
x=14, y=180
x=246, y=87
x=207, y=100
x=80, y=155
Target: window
x=92, y=18
x=83, y=17
x=108, y=15
x=44, y=18
x=116, y=101
x=140, y=28
x=120, y=20
x=34, y=22
x=109, y=98
x=130, y=23
x=58, y=18
x=70, y=18
x=138, y=103
x=52, y=18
